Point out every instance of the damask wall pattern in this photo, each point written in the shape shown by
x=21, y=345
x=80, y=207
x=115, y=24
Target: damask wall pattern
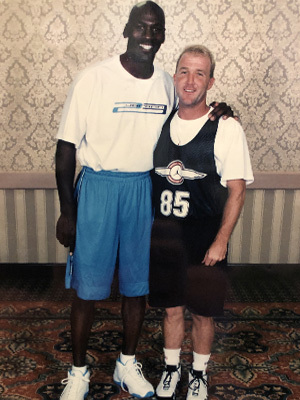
x=44, y=43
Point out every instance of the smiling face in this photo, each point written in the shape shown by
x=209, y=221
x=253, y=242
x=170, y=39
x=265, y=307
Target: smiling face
x=192, y=81
x=145, y=31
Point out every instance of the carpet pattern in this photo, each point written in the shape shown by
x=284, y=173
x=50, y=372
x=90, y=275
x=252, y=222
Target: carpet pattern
x=255, y=354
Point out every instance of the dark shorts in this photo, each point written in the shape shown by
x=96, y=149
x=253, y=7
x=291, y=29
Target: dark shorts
x=177, y=275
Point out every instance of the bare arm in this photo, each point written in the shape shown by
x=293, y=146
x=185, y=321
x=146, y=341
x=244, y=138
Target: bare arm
x=65, y=161
x=233, y=207
x=221, y=110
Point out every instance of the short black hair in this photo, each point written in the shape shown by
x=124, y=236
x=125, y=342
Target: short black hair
x=151, y=4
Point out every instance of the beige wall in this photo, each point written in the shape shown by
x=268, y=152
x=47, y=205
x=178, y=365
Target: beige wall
x=268, y=231
x=44, y=43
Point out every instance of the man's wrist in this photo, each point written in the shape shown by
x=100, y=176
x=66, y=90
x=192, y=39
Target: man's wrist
x=69, y=210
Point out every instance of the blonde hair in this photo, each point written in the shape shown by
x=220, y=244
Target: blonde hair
x=202, y=50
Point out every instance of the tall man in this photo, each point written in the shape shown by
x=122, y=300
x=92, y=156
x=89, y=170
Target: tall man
x=111, y=120
x=201, y=168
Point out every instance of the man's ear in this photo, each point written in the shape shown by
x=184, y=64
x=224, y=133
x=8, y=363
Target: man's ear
x=174, y=78
x=125, y=32
x=211, y=83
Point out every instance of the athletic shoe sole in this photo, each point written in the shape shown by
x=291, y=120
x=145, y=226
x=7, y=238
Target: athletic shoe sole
x=149, y=394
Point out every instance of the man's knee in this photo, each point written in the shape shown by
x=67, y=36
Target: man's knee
x=81, y=304
x=174, y=313
x=137, y=300
x=133, y=306
x=202, y=321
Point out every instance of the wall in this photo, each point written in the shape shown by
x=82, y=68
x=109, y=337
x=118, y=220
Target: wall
x=268, y=231
x=44, y=43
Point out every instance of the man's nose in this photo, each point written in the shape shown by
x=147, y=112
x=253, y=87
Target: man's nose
x=190, y=78
x=149, y=32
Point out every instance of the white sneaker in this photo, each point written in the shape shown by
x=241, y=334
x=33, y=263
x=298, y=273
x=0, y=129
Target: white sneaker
x=77, y=385
x=197, y=389
x=131, y=379
x=168, y=383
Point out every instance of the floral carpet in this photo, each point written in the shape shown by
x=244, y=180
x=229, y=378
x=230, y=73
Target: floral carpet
x=255, y=354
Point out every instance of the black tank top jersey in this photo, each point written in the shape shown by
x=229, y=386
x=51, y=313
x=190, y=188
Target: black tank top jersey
x=185, y=181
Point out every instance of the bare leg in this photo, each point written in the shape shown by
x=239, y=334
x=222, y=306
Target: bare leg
x=133, y=313
x=82, y=317
x=203, y=332
x=174, y=327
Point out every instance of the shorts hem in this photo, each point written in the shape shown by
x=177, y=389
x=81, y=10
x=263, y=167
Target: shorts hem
x=137, y=291
x=84, y=295
x=217, y=312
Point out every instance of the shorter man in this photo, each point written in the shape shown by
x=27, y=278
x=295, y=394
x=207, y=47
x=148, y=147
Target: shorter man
x=201, y=168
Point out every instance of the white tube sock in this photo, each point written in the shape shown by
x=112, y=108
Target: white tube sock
x=81, y=369
x=200, y=361
x=172, y=356
x=124, y=358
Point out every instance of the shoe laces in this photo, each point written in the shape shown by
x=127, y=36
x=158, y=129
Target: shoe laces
x=135, y=367
x=170, y=370
x=195, y=383
x=74, y=380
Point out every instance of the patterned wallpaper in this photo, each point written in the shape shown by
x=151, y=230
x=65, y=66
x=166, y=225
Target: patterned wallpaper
x=44, y=43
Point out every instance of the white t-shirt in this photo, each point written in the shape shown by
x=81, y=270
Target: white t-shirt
x=230, y=150
x=115, y=119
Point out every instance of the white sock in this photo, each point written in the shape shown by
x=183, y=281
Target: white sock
x=124, y=358
x=81, y=369
x=200, y=361
x=172, y=356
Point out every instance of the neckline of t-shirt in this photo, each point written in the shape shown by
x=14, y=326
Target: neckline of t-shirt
x=192, y=121
x=128, y=75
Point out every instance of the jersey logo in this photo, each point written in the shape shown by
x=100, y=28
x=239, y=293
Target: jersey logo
x=176, y=173
x=133, y=107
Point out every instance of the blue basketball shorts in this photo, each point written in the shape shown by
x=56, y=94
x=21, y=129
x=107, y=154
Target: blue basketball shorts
x=114, y=215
